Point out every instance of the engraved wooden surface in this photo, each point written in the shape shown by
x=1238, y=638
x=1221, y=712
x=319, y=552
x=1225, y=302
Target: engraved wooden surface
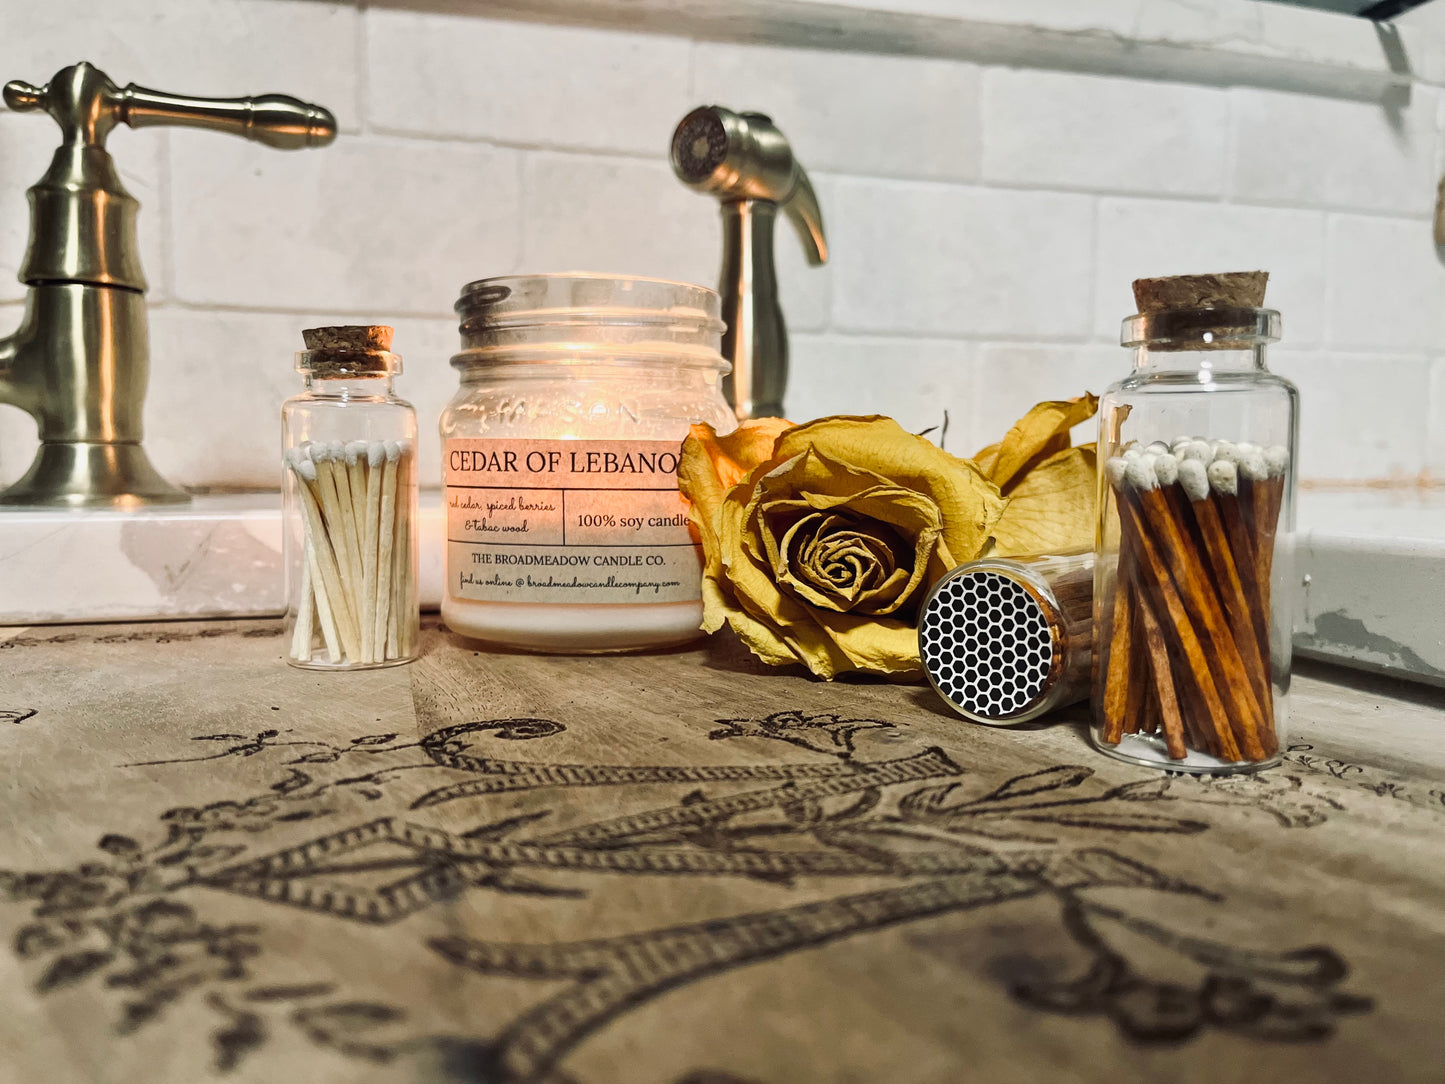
x=677, y=867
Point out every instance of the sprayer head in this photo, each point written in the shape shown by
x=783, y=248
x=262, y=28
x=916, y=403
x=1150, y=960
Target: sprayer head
x=743, y=156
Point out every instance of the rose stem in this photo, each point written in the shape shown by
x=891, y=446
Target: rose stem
x=1200, y=602
x=1166, y=600
x=324, y=574
x=386, y=513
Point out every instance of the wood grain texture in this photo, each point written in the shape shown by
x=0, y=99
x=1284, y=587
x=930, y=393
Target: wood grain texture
x=680, y=867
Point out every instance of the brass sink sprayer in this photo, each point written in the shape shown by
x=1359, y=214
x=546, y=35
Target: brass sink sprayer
x=743, y=160
x=79, y=361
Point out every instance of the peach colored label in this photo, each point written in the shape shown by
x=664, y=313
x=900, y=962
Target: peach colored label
x=572, y=521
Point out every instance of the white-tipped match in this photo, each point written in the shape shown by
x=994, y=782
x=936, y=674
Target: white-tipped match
x=1140, y=474
x=1178, y=443
x=319, y=452
x=1201, y=450
x=1225, y=451
x=1156, y=447
x=337, y=449
x=384, y=598
x=1224, y=477
x=375, y=454
x=301, y=635
x=1252, y=464
x=1276, y=458
x=1245, y=447
x=1114, y=469
x=306, y=469
x=1194, y=477
x=1166, y=469
x=355, y=450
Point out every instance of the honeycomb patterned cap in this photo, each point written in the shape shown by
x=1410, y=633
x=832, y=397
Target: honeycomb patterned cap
x=986, y=645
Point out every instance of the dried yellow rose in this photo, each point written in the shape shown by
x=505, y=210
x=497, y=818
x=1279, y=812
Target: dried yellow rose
x=821, y=553
x=821, y=540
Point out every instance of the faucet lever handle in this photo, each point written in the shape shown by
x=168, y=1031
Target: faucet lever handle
x=277, y=120
x=24, y=98
x=87, y=106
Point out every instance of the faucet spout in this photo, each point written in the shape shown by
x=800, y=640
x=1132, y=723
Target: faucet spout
x=745, y=161
x=17, y=383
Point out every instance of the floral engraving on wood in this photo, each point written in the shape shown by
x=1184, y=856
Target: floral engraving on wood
x=932, y=836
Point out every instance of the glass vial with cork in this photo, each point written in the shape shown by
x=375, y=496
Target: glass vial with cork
x=350, y=487
x=1194, y=548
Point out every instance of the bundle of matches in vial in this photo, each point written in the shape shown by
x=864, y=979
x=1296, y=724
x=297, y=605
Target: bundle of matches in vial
x=356, y=579
x=1186, y=652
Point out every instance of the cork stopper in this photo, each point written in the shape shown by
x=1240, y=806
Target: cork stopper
x=348, y=350
x=1230, y=290
x=1202, y=312
x=349, y=337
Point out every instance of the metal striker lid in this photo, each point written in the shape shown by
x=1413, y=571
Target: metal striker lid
x=988, y=646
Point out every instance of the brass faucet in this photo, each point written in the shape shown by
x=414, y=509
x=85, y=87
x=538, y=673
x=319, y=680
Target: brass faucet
x=80, y=359
x=743, y=160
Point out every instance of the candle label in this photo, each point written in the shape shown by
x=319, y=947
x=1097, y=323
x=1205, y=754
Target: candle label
x=568, y=521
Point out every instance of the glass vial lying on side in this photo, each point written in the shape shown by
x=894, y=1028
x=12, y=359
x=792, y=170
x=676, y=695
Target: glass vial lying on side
x=1193, y=589
x=350, y=481
x=1006, y=639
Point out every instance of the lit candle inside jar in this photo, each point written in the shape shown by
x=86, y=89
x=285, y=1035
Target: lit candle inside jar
x=565, y=527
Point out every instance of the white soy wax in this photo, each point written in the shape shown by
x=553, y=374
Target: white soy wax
x=565, y=528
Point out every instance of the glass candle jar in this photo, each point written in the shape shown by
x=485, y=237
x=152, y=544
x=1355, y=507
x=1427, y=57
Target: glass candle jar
x=1193, y=587
x=565, y=528
x=350, y=486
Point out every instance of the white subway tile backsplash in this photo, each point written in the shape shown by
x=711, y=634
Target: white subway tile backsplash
x=1062, y=130
x=456, y=75
x=1386, y=282
x=853, y=113
x=929, y=259
x=574, y=204
x=1147, y=238
x=218, y=48
x=1012, y=377
x=27, y=144
x=1362, y=416
x=225, y=430
x=913, y=381
x=1308, y=151
x=943, y=292
x=368, y=224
